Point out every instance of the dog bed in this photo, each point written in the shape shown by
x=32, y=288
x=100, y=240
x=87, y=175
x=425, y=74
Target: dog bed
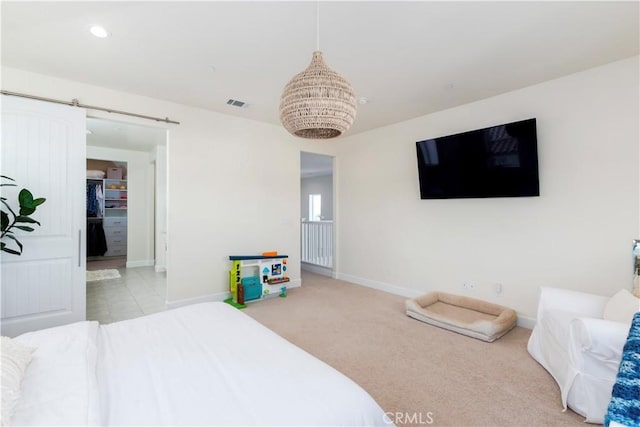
x=468, y=316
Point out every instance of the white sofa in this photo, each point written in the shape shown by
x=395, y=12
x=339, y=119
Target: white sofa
x=579, y=348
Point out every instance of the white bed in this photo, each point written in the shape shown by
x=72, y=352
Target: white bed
x=205, y=364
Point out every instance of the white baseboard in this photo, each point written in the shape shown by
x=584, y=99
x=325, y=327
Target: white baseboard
x=142, y=263
x=523, y=321
x=220, y=296
x=381, y=286
x=526, y=321
x=294, y=283
x=160, y=268
x=324, y=271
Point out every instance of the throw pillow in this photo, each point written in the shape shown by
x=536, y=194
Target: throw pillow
x=15, y=358
x=621, y=307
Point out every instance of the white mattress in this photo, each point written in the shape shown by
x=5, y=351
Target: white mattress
x=209, y=364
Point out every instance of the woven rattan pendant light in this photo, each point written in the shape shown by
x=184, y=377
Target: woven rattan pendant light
x=318, y=103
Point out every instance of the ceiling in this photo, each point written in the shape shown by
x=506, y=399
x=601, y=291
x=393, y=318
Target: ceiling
x=407, y=58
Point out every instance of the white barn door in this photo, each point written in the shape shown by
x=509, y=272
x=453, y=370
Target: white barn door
x=44, y=150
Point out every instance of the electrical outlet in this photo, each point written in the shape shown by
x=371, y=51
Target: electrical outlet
x=497, y=288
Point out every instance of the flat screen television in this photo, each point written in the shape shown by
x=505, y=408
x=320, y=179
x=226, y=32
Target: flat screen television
x=499, y=161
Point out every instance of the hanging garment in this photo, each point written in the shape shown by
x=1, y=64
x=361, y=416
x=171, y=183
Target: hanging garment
x=96, y=240
x=100, y=199
x=92, y=200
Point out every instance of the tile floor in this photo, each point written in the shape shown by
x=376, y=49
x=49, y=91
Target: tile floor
x=138, y=292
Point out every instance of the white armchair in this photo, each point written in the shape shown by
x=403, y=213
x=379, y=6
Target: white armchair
x=579, y=348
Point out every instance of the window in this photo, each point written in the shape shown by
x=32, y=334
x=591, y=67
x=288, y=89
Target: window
x=315, y=207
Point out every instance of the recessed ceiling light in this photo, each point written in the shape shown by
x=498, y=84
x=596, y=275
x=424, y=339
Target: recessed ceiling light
x=99, y=31
x=363, y=100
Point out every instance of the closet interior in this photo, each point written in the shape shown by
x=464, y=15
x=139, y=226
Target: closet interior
x=107, y=205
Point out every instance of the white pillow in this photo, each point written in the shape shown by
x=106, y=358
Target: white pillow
x=15, y=358
x=60, y=387
x=621, y=307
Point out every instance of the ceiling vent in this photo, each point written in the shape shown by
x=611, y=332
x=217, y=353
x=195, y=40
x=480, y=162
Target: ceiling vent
x=236, y=103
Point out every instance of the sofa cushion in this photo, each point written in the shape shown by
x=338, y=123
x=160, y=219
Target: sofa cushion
x=556, y=324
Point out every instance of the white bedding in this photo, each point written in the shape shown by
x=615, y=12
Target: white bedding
x=59, y=386
x=205, y=364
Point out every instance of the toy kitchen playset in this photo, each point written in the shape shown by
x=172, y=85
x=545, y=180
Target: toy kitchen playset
x=255, y=277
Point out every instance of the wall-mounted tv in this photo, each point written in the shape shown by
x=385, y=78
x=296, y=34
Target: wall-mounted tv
x=499, y=161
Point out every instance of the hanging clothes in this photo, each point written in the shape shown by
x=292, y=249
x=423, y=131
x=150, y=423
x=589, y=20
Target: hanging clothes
x=96, y=240
x=92, y=200
x=95, y=200
x=100, y=199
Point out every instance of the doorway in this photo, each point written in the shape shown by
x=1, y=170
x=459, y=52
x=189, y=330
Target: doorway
x=125, y=282
x=316, y=213
x=107, y=214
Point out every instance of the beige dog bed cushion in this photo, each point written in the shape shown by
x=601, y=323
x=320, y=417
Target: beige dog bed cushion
x=468, y=316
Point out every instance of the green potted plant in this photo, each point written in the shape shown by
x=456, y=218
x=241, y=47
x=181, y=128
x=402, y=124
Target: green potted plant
x=11, y=220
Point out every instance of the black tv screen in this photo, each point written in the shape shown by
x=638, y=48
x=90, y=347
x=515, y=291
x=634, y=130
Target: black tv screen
x=499, y=161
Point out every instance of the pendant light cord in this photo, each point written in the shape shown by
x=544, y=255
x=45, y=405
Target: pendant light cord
x=318, y=25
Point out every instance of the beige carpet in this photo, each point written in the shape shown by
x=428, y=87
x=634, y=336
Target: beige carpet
x=411, y=367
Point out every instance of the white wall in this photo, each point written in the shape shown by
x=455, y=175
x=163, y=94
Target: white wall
x=322, y=185
x=140, y=216
x=576, y=235
x=223, y=197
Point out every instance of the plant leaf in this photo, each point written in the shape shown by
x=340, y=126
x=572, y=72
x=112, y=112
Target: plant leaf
x=10, y=251
x=39, y=201
x=7, y=184
x=25, y=198
x=25, y=211
x=8, y=207
x=25, y=227
x=14, y=238
x=22, y=218
x=5, y=220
